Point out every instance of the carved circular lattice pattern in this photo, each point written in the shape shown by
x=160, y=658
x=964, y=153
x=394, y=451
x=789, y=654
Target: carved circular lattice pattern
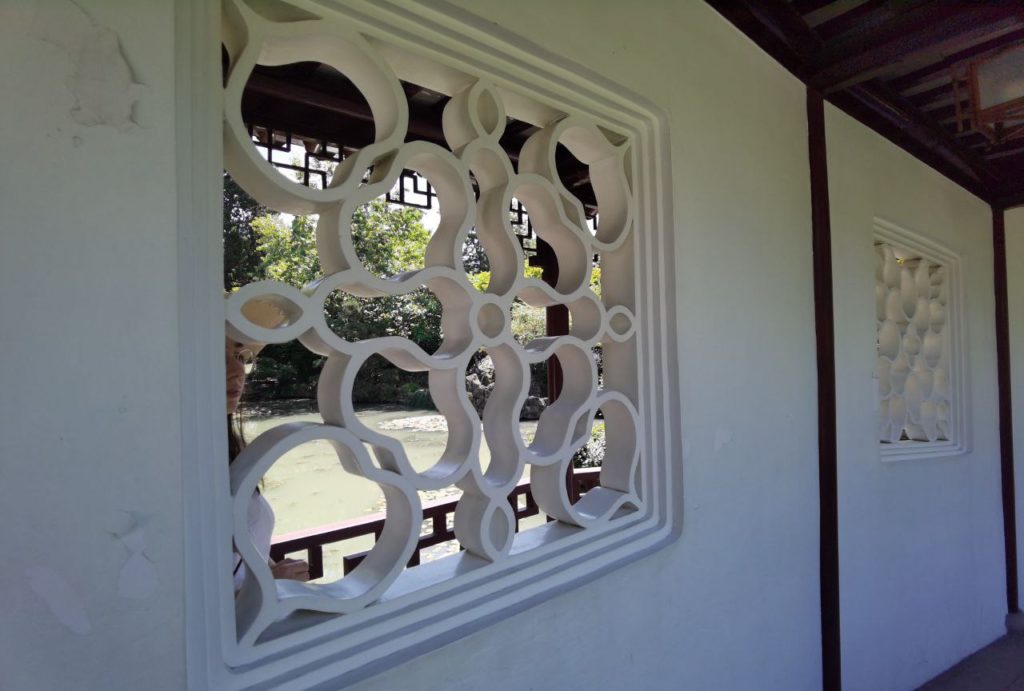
x=473, y=121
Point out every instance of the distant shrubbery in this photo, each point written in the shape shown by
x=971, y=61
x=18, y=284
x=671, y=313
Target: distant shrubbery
x=591, y=454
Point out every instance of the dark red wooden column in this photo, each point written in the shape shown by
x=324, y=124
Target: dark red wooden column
x=1005, y=407
x=824, y=323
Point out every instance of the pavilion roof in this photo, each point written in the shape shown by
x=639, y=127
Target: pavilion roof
x=902, y=68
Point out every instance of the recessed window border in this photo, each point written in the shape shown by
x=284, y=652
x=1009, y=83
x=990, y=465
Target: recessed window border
x=927, y=248
x=435, y=616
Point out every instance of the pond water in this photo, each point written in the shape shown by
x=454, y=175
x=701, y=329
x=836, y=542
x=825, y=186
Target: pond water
x=308, y=487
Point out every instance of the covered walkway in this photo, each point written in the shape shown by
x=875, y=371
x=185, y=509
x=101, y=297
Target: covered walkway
x=997, y=667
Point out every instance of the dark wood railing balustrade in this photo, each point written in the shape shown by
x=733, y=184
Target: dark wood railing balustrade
x=312, y=541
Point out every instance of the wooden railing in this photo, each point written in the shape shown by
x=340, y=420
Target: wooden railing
x=312, y=541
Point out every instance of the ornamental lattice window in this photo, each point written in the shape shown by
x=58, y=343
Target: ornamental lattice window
x=919, y=364
x=475, y=181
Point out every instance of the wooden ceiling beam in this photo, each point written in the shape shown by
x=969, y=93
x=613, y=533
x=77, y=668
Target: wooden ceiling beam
x=930, y=133
x=780, y=36
x=1014, y=147
x=334, y=103
x=912, y=31
x=942, y=67
x=923, y=99
x=888, y=115
x=786, y=24
x=1010, y=200
x=831, y=29
x=803, y=7
x=861, y=55
x=306, y=122
x=867, y=111
x=947, y=111
x=338, y=117
x=294, y=92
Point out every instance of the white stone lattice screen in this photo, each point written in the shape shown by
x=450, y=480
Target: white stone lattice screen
x=918, y=342
x=473, y=121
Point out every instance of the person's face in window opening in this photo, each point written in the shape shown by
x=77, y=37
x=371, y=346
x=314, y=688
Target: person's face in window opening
x=238, y=362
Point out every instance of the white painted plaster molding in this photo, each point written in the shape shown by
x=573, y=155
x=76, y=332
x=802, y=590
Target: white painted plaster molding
x=382, y=612
x=920, y=365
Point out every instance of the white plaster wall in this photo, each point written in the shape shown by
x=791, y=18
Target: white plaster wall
x=90, y=411
x=89, y=406
x=734, y=603
x=921, y=552
x=1015, y=287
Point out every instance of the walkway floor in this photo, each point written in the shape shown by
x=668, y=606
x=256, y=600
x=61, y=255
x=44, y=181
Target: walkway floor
x=998, y=667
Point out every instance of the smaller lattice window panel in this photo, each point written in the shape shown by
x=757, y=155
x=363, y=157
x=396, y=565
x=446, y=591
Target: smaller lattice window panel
x=918, y=368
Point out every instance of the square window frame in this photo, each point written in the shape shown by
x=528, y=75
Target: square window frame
x=404, y=627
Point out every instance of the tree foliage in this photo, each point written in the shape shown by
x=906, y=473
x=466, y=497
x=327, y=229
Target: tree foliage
x=287, y=252
x=474, y=260
x=389, y=240
x=241, y=243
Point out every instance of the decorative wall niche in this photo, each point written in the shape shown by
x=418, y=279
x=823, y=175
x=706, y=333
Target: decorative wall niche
x=333, y=633
x=920, y=366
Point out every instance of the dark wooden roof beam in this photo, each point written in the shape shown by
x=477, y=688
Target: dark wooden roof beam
x=818, y=11
x=913, y=33
x=776, y=26
x=943, y=138
x=307, y=123
x=944, y=78
x=939, y=95
x=903, y=116
x=1014, y=147
x=779, y=17
x=294, y=93
x=946, y=108
x=946, y=114
x=974, y=139
x=940, y=69
x=1010, y=199
x=885, y=61
x=868, y=111
x=842, y=22
x=873, y=19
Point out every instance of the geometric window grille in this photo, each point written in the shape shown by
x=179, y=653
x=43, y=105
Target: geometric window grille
x=383, y=609
x=919, y=366
x=317, y=155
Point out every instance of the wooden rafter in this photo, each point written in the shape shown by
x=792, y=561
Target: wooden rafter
x=863, y=54
x=941, y=67
x=891, y=65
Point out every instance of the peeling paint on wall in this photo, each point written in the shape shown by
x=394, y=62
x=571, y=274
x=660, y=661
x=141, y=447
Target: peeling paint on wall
x=101, y=81
x=62, y=601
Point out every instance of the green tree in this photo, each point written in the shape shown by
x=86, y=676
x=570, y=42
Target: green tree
x=474, y=260
x=287, y=252
x=241, y=242
x=389, y=240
